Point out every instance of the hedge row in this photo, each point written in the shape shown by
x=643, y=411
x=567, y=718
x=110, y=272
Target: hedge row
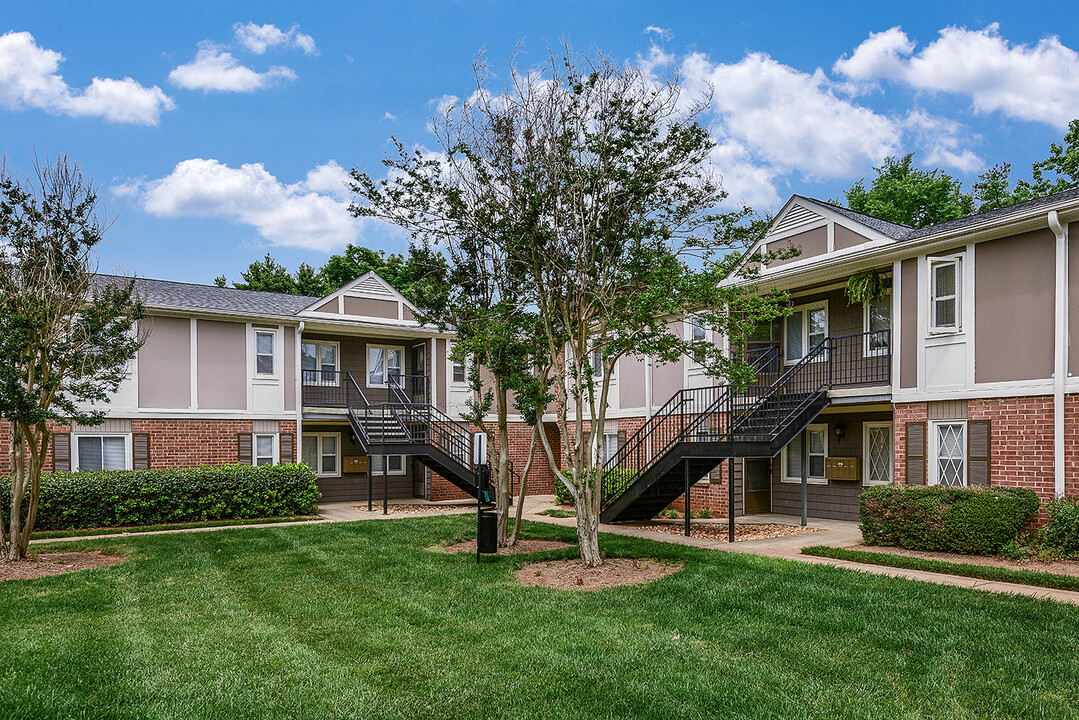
x=978, y=521
x=70, y=501
x=1062, y=530
x=610, y=477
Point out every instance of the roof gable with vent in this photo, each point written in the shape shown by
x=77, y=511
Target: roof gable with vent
x=368, y=297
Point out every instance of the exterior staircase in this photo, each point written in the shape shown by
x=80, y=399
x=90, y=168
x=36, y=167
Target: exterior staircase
x=699, y=428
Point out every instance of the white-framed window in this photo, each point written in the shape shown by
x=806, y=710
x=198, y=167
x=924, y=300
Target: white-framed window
x=320, y=362
x=265, y=449
x=596, y=361
x=460, y=372
x=102, y=452
x=265, y=352
x=945, y=294
x=877, y=458
x=697, y=333
x=383, y=362
x=805, y=328
x=396, y=464
x=949, y=447
x=878, y=323
x=816, y=437
x=322, y=453
x=610, y=445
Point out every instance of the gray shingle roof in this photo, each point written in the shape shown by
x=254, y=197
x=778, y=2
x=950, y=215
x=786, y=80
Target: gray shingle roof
x=893, y=230
x=189, y=296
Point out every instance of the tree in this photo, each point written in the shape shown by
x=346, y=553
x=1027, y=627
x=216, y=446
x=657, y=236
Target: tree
x=902, y=193
x=66, y=337
x=992, y=189
x=1063, y=163
x=268, y=275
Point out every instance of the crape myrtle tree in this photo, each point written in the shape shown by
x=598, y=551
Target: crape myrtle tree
x=467, y=203
x=66, y=337
x=633, y=239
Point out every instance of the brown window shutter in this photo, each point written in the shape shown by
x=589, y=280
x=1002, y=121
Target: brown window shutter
x=61, y=452
x=243, y=449
x=140, y=451
x=978, y=443
x=621, y=438
x=286, y=442
x=916, y=453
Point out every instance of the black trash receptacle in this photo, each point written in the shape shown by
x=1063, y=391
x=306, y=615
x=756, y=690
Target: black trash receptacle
x=488, y=533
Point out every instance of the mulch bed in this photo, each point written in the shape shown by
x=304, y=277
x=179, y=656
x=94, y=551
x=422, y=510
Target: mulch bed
x=614, y=572
x=54, y=564
x=742, y=532
x=415, y=509
x=1059, y=567
x=522, y=546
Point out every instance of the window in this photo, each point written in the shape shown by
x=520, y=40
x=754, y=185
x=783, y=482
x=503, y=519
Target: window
x=596, y=362
x=264, y=353
x=610, y=446
x=816, y=437
x=101, y=452
x=697, y=333
x=460, y=374
x=949, y=453
x=877, y=453
x=806, y=328
x=322, y=452
x=396, y=466
x=878, y=323
x=265, y=449
x=944, y=291
x=318, y=363
x=383, y=363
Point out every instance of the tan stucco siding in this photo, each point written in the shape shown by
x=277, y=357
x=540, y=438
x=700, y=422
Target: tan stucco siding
x=631, y=372
x=908, y=340
x=289, y=365
x=1013, y=308
x=222, y=359
x=165, y=364
x=845, y=238
x=329, y=306
x=370, y=307
x=811, y=242
x=1073, y=298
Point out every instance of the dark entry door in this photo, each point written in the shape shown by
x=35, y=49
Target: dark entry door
x=758, y=484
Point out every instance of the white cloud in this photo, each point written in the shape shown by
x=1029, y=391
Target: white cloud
x=940, y=139
x=259, y=38
x=389, y=116
x=660, y=32
x=215, y=69
x=747, y=181
x=29, y=80
x=311, y=214
x=792, y=119
x=1038, y=82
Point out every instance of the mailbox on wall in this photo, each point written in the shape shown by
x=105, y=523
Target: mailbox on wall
x=843, y=468
x=354, y=463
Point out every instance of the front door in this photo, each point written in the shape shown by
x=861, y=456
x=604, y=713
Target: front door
x=758, y=485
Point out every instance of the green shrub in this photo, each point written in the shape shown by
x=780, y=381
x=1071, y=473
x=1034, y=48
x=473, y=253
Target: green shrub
x=976, y=521
x=150, y=497
x=1062, y=530
x=622, y=478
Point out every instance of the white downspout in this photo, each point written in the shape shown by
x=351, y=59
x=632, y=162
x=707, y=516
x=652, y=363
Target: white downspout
x=1060, y=364
x=299, y=393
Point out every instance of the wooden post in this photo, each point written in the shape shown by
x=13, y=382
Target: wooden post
x=386, y=484
x=686, y=461
x=805, y=479
x=730, y=498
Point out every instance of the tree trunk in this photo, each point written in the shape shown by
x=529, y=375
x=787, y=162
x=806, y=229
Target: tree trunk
x=502, y=492
x=588, y=533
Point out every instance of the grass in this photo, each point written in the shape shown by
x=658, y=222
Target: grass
x=982, y=572
x=559, y=513
x=362, y=620
x=86, y=532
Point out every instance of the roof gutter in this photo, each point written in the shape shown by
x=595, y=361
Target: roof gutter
x=1060, y=360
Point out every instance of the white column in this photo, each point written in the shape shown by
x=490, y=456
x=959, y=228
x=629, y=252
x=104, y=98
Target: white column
x=1060, y=364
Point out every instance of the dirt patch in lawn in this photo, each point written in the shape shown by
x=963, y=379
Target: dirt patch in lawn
x=742, y=531
x=1059, y=567
x=522, y=546
x=614, y=572
x=46, y=564
x=414, y=509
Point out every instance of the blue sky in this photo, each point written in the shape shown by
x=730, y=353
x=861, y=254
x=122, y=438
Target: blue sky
x=222, y=133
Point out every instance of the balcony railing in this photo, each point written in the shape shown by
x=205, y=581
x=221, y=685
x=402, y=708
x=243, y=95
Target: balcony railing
x=329, y=389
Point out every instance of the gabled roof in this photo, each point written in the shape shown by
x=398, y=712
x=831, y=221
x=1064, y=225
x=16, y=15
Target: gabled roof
x=191, y=296
x=370, y=284
x=896, y=231
x=996, y=214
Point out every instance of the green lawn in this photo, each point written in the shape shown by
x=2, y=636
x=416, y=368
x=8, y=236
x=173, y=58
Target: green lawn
x=361, y=620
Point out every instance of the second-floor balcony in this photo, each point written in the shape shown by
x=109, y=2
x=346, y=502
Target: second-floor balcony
x=341, y=389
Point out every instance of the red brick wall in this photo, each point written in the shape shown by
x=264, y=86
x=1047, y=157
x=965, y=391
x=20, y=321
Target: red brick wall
x=711, y=495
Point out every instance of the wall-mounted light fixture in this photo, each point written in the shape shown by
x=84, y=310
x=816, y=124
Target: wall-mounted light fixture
x=840, y=431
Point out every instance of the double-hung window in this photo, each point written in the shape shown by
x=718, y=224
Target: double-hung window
x=945, y=292
x=813, y=455
x=596, y=361
x=698, y=334
x=265, y=449
x=318, y=363
x=322, y=453
x=395, y=466
x=878, y=325
x=264, y=352
x=949, y=453
x=101, y=452
x=877, y=453
x=460, y=373
x=806, y=328
x=610, y=446
x=383, y=363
